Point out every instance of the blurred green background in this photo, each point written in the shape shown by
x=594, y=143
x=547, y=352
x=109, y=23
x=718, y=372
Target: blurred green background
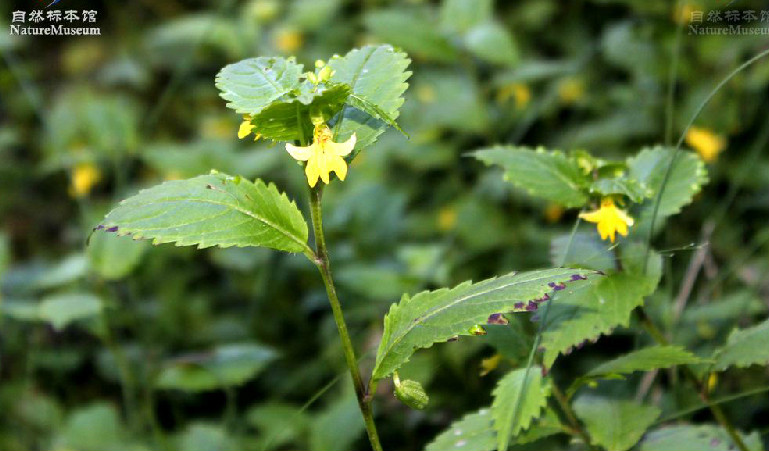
x=124, y=346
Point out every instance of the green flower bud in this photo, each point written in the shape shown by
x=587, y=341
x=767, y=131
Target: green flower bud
x=411, y=393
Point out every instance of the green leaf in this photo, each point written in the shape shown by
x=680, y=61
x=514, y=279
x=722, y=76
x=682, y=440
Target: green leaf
x=598, y=308
x=325, y=431
x=225, y=366
x=113, y=257
x=475, y=431
x=414, y=29
x=374, y=111
x=744, y=347
x=546, y=174
x=492, y=42
x=585, y=250
x=204, y=437
x=377, y=74
x=647, y=359
x=686, y=180
x=78, y=431
x=710, y=438
x=615, y=424
x=212, y=210
x=62, y=309
x=252, y=84
x=288, y=118
x=526, y=383
x=621, y=185
x=437, y=316
x=546, y=425
x=461, y=15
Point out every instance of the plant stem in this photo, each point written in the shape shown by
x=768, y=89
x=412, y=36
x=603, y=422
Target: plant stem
x=321, y=260
x=569, y=413
x=715, y=409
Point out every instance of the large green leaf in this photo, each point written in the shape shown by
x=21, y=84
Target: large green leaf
x=622, y=185
x=646, y=359
x=710, y=438
x=212, y=210
x=598, y=308
x=550, y=175
x=585, y=250
x=492, y=42
x=475, y=431
x=59, y=310
x=685, y=181
x=459, y=16
x=437, y=316
x=615, y=424
x=744, y=347
x=227, y=365
x=252, y=84
x=519, y=398
x=376, y=74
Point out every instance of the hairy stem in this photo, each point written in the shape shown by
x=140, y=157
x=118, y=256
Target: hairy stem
x=321, y=260
x=715, y=409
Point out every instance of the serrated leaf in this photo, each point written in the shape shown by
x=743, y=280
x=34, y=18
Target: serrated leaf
x=252, y=84
x=585, y=250
x=225, y=366
x=710, y=438
x=373, y=110
x=546, y=425
x=475, y=431
x=546, y=174
x=744, y=347
x=62, y=309
x=436, y=316
x=615, y=424
x=623, y=186
x=377, y=74
x=647, y=359
x=212, y=210
x=521, y=383
x=686, y=180
x=288, y=118
x=598, y=308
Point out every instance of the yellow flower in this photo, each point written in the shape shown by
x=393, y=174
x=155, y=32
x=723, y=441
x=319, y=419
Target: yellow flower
x=571, y=90
x=246, y=127
x=84, y=177
x=288, y=40
x=519, y=91
x=610, y=219
x=323, y=156
x=705, y=142
x=447, y=218
x=553, y=212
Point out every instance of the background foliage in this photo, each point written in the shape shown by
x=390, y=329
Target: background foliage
x=160, y=347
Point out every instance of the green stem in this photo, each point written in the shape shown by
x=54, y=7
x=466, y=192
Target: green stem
x=321, y=260
x=127, y=382
x=715, y=409
x=563, y=402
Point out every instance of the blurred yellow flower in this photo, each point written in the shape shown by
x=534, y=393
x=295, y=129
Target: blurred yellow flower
x=323, y=156
x=447, y=218
x=683, y=14
x=490, y=364
x=426, y=94
x=84, y=177
x=246, y=127
x=288, y=40
x=705, y=142
x=571, y=90
x=609, y=219
x=518, y=91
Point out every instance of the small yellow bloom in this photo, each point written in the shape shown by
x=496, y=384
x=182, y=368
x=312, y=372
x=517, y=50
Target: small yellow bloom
x=246, y=127
x=447, y=218
x=288, y=40
x=705, y=142
x=490, y=364
x=571, y=90
x=518, y=91
x=84, y=177
x=610, y=219
x=323, y=156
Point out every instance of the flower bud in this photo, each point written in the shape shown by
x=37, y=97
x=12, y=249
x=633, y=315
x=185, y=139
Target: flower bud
x=411, y=393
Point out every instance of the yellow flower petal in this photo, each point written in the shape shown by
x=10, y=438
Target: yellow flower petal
x=300, y=153
x=337, y=164
x=245, y=127
x=705, y=142
x=341, y=149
